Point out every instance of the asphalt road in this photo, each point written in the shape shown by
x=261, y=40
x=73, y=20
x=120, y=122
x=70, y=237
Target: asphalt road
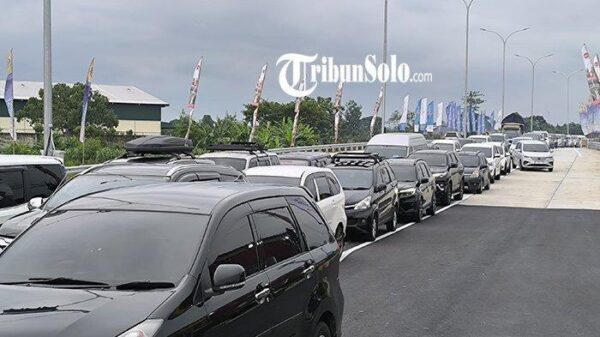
x=479, y=271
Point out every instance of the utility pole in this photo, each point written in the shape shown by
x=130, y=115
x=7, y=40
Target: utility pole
x=568, y=79
x=385, y=57
x=47, y=75
x=468, y=4
x=533, y=65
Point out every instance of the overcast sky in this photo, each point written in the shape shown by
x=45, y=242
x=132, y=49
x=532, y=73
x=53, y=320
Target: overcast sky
x=154, y=45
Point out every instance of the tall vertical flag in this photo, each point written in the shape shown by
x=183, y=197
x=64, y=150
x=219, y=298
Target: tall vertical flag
x=592, y=76
x=423, y=115
x=481, y=123
x=404, y=117
x=296, y=117
x=337, y=106
x=417, y=115
x=87, y=95
x=439, y=121
x=498, y=121
x=9, y=96
x=193, y=94
x=376, y=110
x=596, y=65
x=256, y=101
x=430, y=117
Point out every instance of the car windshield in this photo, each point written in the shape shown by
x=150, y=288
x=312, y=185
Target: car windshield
x=91, y=183
x=236, y=163
x=285, y=181
x=485, y=150
x=388, y=151
x=405, y=173
x=295, y=162
x=478, y=139
x=354, y=178
x=497, y=138
x=433, y=159
x=445, y=146
x=535, y=148
x=469, y=160
x=113, y=247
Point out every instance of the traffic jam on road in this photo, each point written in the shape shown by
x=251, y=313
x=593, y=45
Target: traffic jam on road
x=235, y=242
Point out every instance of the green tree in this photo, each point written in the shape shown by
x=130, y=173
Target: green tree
x=279, y=134
x=474, y=100
x=66, y=108
x=350, y=129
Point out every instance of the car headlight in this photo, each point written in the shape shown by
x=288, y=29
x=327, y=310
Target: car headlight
x=407, y=192
x=147, y=328
x=437, y=175
x=475, y=174
x=364, y=204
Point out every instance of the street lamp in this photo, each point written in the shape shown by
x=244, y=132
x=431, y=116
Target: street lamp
x=47, y=77
x=504, y=41
x=568, y=78
x=533, y=64
x=385, y=29
x=468, y=4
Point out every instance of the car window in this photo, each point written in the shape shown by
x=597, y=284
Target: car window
x=420, y=171
x=315, y=230
x=427, y=170
x=44, y=179
x=279, y=239
x=309, y=183
x=323, y=187
x=234, y=243
x=274, y=160
x=385, y=176
x=390, y=173
x=333, y=185
x=253, y=163
x=264, y=162
x=189, y=177
x=11, y=188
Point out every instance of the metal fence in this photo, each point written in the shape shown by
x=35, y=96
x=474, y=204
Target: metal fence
x=331, y=148
x=594, y=145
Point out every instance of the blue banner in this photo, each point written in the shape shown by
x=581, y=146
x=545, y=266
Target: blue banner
x=417, y=116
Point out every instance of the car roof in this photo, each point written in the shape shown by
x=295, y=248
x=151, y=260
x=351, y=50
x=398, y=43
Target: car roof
x=479, y=136
x=233, y=154
x=486, y=144
x=432, y=152
x=304, y=155
x=195, y=198
x=533, y=141
x=396, y=139
x=445, y=141
x=158, y=170
x=404, y=161
x=469, y=153
x=290, y=171
x=17, y=159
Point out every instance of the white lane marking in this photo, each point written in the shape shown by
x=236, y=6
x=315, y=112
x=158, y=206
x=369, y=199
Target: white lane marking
x=578, y=153
x=346, y=253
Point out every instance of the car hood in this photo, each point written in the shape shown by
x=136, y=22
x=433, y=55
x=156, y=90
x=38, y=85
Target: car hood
x=470, y=170
x=355, y=196
x=406, y=184
x=53, y=312
x=438, y=169
x=15, y=226
x=537, y=154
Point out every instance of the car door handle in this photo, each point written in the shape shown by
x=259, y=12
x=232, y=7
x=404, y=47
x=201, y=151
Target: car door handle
x=308, y=271
x=262, y=295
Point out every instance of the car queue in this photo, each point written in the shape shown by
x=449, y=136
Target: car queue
x=231, y=243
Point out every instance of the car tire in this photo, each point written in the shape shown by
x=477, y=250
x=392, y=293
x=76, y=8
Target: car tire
x=480, y=187
x=461, y=191
x=340, y=236
x=521, y=166
x=372, y=235
x=487, y=187
x=392, y=225
x=509, y=168
x=551, y=169
x=514, y=165
x=448, y=196
x=418, y=217
x=322, y=330
x=498, y=176
x=433, y=207
x=503, y=171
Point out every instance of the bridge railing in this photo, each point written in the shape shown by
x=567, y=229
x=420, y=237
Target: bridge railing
x=330, y=148
x=594, y=145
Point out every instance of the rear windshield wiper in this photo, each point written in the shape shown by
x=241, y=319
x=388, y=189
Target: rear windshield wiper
x=60, y=281
x=144, y=285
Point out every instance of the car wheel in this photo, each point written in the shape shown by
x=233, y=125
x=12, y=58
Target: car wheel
x=521, y=166
x=433, y=207
x=392, y=225
x=487, y=187
x=551, y=169
x=498, y=176
x=340, y=236
x=509, y=168
x=480, y=187
x=418, y=217
x=322, y=330
x=503, y=171
x=372, y=235
x=514, y=165
x=448, y=196
x=461, y=192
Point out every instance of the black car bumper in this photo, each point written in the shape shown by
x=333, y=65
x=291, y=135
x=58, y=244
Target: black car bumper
x=472, y=183
x=408, y=205
x=359, y=220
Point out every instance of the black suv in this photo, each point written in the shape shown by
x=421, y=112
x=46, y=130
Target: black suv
x=416, y=188
x=477, y=174
x=448, y=172
x=222, y=260
x=369, y=185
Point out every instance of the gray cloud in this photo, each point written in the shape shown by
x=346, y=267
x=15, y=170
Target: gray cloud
x=155, y=44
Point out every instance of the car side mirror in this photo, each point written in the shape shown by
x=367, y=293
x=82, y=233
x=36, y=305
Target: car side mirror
x=228, y=277
x=424, y=180
x=453, y=165
x=380, y=188
x=497, y=155
x=35, y=203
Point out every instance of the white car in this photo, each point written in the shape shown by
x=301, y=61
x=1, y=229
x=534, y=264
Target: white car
x=480, y=138
x=534, y=154
x=513, y=146
x=451, y=145
x=322, y=184
x=505, y=160
x=241, y=156
x=494, y=158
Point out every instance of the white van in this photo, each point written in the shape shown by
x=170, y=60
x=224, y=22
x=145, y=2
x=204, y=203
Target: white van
x=396, y=145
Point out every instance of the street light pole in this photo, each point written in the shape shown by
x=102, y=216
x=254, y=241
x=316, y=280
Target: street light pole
x=568, y=78
x=385, y=30
x=533, y=65
x=468, y=4
x=47, y=75
x=504, y=42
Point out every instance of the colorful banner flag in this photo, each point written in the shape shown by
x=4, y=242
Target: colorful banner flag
x=9, y=96
x=498, y=121
x=404, y=117
x=87, y=95
x=430, y=117
x=417, y=115
x=481, y=123
x=337, y=105
x=439, y=121
x=376, y=110
x=256, y=100
x=296, y=117
x=592, y=76
x=193, y=94
x=423, y=115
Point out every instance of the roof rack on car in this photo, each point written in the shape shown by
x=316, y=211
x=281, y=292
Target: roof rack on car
x=159, y=145
x=238, y=146
x=356, y=159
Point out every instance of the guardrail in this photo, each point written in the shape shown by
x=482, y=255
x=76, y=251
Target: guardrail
x=314, y=148
x=594, y=145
